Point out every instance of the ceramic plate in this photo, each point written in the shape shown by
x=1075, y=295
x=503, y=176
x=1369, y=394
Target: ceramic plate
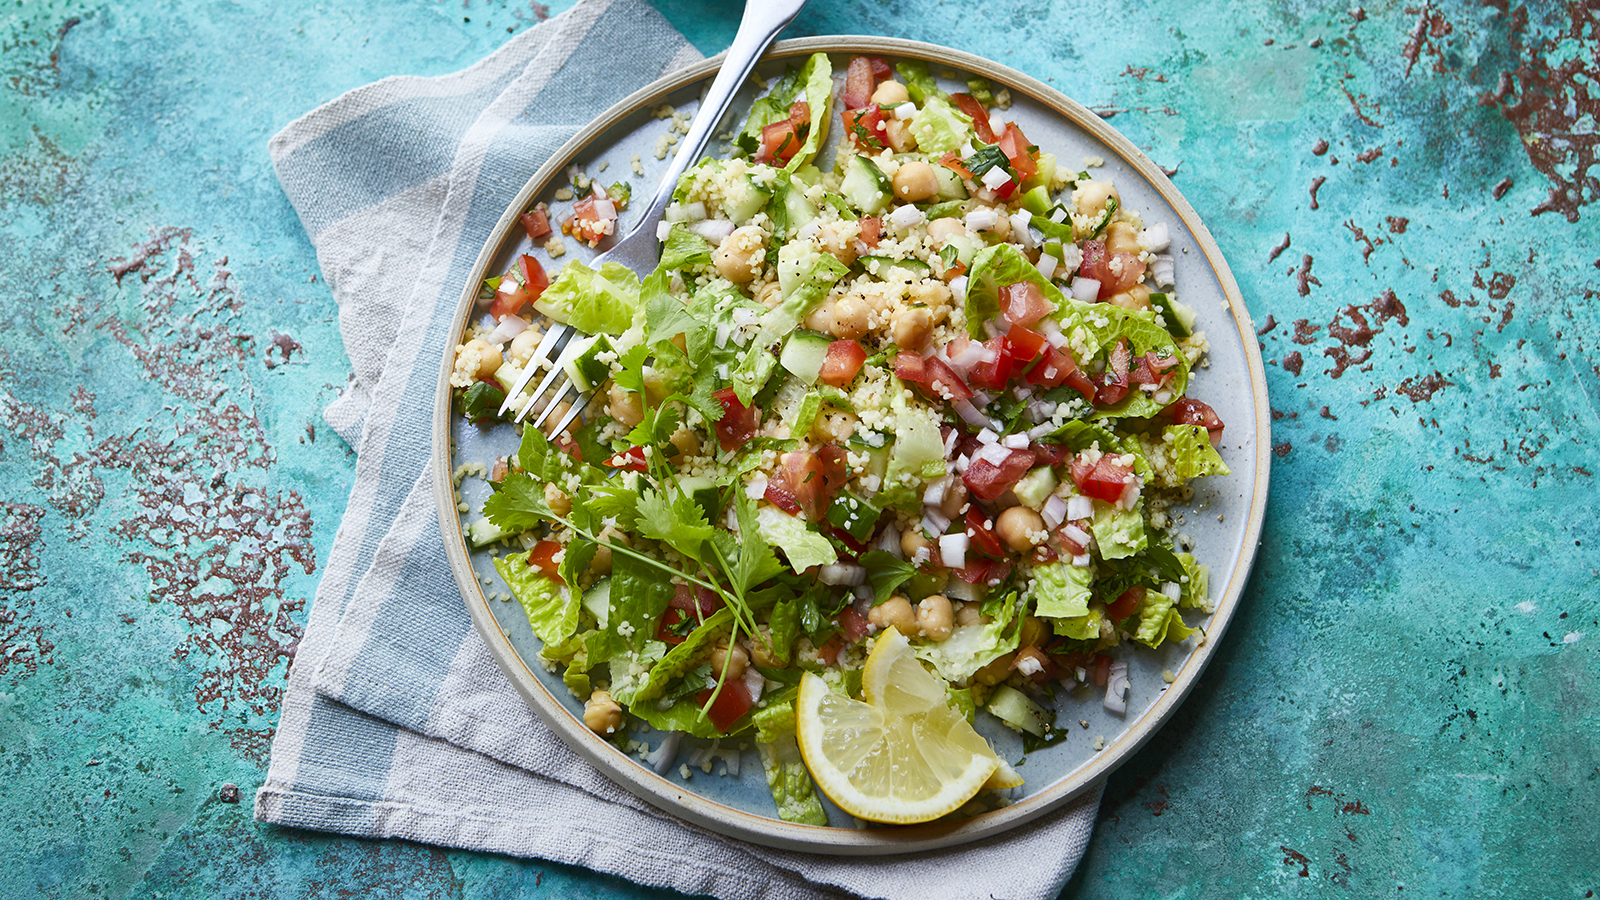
x=1223, y=519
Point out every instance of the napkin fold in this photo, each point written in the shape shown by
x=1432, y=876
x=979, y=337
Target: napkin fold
x=397, y=722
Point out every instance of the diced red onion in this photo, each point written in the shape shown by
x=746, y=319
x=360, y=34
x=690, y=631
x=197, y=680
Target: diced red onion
x=958, y=287
x=934, y=495
x=953, y=551
x=663, y=230
x=605, y=209
x=842, y=574
x=1085, y=289
x=662, y=758
x=995, y=178
x=934, y=521
x=889, y=542
x=1079, y=507
x=688, y=212
x=1172, y=590
x=1071, y=257
x=994, y=454
x=714, y=230
x=982, y=218
x=905, y=110
x=1116, y=701
x=905, y=217
x=1015, y=441
x=1075, y=534
x=1162, y=270
x=970, y=414
x=996, y=123
x=1157, y=238
x=1083, y=561
x=1021, y=231
x=1130, y=493
x=509, y=327
x=1054, y=512
x=1047, y=265
x=757, y=488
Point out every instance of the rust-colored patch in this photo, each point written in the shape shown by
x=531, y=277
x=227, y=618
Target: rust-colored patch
x=1501, y=188
x=1370, y=154
x=1270, y=324
x=1278, y=250
x=1143, y=74
x=23, y=644
x=285, y=345
x=1304, y=279
x=1421, y=390
x=1361, y=238
x=1293, y=362
x=1282, y=450
x=1305, y=333
x=1320, y=147
x=1293, y=858
x=1316, y=185
x=1500, y=285
x=1397, y=224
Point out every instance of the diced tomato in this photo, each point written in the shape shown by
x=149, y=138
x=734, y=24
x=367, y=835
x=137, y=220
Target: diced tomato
x=1114, y=383
x=1188, y=411
x=880, y=69
x=858, y=83
x=981, y=535
x=779, y=494
x=993, y=374
x=687, y=609
x=1116, y=272
x=800, y=482
x=537, y=223
x=782, y=139
x=864, y=127
x=932, y=376
x=1015, y=147
x=1024, y=303
x=1049, y=454
x=853, y=625
x=988, y=481
x=871, y=230
x=835, y=471
x=501, y=468
x=527, y=280
x=1071, y=542
x=911, y=368
x=1044, y=553
x=828, y=653
x=955, y=271
x=1024, y=343
x=843, y=361
x=733, y=701
x=1100, y=670
x=976, y=571
x=738, y=423
x=1106, y=480
x=953, y=162
x=980, y=116
x=631, y=459
x=592, y=219
x=1126, y=604
x=543, y=558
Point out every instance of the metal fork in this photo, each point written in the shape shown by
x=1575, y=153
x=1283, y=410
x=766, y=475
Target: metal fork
x=640, y=249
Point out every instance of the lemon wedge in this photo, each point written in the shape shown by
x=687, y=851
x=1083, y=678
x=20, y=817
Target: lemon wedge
x=900, y=756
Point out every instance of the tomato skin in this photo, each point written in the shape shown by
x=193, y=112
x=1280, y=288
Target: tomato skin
x=782, y=139
x=842, y=363
x=992, y=375
x=1015, y=147
x=1113, y=278
x=534, y=281
x=987, y=481
x=631, y=459
x=911, y=368
x=1126, y=604
x=1024, y=343
x=732, y=702
x=980, y=116
x=537, y=223
x=1105, y=480
x=871, y=230
x=863, y=127
x=799, y=485
x=1188, y=411
x=853, y=624
x=738, y=422
x=542, y=557
x=981, y=534
x=859, y=83
x=1100, y=670
x=1114, y=383
x=953, y=162
x=932, y=376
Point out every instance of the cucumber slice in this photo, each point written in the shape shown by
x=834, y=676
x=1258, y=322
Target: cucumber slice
x=895, y=269
x=597, y=600
x=1019, y=713
x=702, y=490
x=853, y=515
x=753, y=201
x=803, y=355
x=1179, y=318
x=1035, y=487
x=584, y=369
x=866, y=187
x=951, y=187
x=483, y=532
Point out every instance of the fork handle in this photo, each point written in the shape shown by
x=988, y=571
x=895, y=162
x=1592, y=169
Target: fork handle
x=762, y=21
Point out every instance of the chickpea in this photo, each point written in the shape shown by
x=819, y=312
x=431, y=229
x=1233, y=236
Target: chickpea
x=933, y=294
x=523, y=345
x=897, y=132
x=915, y=181
x=942, y=230
x=894, y=612
x=741, y=254
x=852, y=317
x=1091, y=196
x=836, y=238
x=912, y=542
x=733, y=657
x=934, y=617
x=770, y=295
x=821, y=318
x=955, y=497
x=765, y=652
x=1034, y=632
x=557, y=500
x=1122, y=238
x=656, y=386
x=1018, y=526
x=625, y=406
x=602, y=714
x=1136, y=298
x=559, y=412
x=891, y=93
x=489, y=358
x=911, y=328
x=687, y=442
x=601, y=564
x=968, y=614
x=833, y=426
x=995, y=672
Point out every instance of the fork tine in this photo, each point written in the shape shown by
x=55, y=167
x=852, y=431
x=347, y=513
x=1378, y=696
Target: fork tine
x=573, y=413
x=556, y=335
x=557, y=370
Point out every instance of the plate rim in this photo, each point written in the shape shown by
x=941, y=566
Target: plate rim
x=643, y=782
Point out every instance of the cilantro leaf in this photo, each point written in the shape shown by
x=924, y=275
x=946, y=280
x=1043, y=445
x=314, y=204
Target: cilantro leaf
x=518, y=503
x=679, y=522
x=885, y=572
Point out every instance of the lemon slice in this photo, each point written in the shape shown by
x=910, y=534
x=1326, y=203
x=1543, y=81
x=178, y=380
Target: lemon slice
x=901, y=756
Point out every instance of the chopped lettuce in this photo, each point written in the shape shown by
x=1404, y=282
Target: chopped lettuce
x=971, y=647
x=552, y=609
x=1189, y=448
x=804, y=547
x=994, y=268
x=602, y=302
x=790, y=783
x=683, y=248
x=687, y=655
x=1119, y=532
x=919, y=84
x=1062, y=591
x=939, y=127
x=812, y=83
x=1159, y=621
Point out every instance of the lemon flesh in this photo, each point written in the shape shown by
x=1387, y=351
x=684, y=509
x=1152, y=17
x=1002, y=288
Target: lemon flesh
x=900, y=756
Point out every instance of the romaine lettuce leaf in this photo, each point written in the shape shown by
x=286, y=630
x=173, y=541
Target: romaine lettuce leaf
x=994, y=268
x=817, y=79
x=552, y=609
x=1159, y=621
x=639, y=595
x=919, y=84
x=683, y=248
x=939, y=127
x=1119, y=532
x=971, y=647
x=1061, y=591
x=602, y=302
x=792, y=791
x=1189, y=448
x=687, y=655
x=804, y=547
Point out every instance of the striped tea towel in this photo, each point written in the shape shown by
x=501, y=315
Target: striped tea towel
x=397, y=722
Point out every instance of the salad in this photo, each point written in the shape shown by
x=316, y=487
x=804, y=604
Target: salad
x=932, y=390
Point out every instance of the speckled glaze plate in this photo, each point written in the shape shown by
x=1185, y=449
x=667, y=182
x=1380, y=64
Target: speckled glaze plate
x=1223, y=519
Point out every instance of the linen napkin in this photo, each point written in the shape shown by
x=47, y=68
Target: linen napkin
x=396, y=721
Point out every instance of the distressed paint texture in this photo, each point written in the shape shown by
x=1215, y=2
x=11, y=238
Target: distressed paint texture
x=1407, y=703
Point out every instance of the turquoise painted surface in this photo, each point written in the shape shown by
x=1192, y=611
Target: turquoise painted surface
x=1407, y=703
